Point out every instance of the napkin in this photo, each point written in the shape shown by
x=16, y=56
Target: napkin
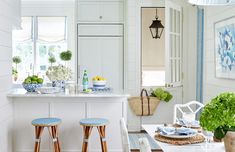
x=185, y=131
x=176, y=131
x=184, y=122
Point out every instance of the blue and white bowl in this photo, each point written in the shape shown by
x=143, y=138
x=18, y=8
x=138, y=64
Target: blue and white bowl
x=99, y=84
x=31, y=87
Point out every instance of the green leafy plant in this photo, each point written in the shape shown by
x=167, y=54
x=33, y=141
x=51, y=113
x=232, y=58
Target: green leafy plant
x=161, y=94
x=16, y=60
x=51, y=60
x=219, y=115
x=66, y=55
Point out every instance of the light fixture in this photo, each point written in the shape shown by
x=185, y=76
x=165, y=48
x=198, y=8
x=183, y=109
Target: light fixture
x=156, y=28
x=212, y=2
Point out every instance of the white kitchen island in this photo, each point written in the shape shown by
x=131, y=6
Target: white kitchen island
x=70, y=108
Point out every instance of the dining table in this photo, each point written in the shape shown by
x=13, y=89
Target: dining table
x=210, y=146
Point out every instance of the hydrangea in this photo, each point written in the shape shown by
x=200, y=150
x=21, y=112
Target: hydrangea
x=59, y=72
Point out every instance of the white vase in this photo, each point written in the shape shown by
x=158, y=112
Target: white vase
x=229, y=141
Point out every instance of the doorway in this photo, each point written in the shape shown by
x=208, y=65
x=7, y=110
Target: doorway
x=153, y=49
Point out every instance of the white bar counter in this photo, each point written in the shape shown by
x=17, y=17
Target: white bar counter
x=70, y=108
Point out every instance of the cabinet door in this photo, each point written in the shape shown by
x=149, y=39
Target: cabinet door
x=102, y=56
x=88, y=12
x=104, y=12
x=112, y=12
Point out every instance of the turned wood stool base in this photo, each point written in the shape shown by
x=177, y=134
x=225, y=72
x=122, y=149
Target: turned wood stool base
x=88, y=124
x=52, y=125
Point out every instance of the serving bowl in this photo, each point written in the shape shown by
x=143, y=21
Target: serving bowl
x=31, y=87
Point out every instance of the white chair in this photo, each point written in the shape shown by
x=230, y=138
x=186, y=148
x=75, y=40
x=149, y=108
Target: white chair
x=124, y=136
x=144, y=144
x=192, y=107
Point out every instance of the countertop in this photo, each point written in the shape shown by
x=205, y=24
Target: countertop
x=19, y=93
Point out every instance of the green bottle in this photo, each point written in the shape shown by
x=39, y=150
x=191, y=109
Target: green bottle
x=85, y=81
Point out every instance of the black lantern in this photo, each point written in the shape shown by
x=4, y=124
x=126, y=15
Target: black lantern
x=156, y=28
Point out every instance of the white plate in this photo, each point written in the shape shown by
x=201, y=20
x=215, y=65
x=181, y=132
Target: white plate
x=178, y=136
x=48, y=90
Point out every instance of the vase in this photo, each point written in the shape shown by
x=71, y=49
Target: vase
x=229, y=141
x=59, y=83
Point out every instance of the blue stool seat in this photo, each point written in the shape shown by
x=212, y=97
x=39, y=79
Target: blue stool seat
x=94, y=122
x=46, y=122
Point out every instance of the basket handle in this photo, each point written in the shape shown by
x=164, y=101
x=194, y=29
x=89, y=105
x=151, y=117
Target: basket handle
x=142, y=100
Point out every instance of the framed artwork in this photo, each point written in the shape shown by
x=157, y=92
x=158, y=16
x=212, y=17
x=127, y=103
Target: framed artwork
x=225, y=48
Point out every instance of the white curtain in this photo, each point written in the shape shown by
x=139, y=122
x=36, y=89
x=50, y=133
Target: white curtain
x=51, y=29
x=24, y=34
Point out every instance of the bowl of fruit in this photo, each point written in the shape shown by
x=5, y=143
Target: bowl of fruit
x=31, y=83
x=99, y=82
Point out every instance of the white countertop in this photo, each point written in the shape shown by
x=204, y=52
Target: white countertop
x=17, y=93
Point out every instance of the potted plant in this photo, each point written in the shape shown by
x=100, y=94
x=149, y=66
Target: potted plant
x=219, y=116
x=66, y=56
x=51, y=60
x=16, y=60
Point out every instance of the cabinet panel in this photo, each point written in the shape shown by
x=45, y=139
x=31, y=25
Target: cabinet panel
x=104, y=12
x=97, y=29
x=88, y=12
x=102, y=56
x=112, y=12
x=113, y=113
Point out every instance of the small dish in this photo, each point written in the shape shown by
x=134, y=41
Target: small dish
x=48, y=90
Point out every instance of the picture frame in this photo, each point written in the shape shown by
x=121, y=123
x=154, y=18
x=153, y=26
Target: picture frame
x=224, y=38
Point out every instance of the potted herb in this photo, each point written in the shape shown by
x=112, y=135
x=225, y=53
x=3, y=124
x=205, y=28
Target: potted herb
x=66, y=56
x=161, y=94
x=219, y=116
x=51, y=60
x=16, y=60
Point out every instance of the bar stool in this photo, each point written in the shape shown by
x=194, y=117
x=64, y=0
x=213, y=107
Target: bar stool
x=88, y=124
x=52, y=125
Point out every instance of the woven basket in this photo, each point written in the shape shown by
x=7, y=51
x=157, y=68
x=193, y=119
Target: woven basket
x=143, y=105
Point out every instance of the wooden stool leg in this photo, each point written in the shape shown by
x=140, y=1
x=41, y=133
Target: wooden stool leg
x=101, y=130
x=87, y=132
x=38, y=133
x=54, y=134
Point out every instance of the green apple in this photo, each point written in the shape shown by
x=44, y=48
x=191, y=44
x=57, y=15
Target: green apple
x=40, y=80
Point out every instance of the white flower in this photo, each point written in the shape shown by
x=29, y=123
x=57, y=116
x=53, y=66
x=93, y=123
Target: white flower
x=59, y=72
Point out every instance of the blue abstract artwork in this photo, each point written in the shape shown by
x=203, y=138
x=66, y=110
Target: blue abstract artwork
x=225, y=49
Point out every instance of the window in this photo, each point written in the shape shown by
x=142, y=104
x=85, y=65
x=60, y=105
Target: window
x=39, y=39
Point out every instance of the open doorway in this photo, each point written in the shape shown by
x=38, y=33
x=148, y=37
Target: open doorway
x=153, y=49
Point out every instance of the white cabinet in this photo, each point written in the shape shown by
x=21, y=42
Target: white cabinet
x=102, y=56
x=104, y=12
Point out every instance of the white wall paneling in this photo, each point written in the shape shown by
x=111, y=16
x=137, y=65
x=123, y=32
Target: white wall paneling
x=9, y=17
x=214, y=86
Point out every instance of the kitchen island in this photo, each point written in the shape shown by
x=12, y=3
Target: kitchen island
x=70, y=108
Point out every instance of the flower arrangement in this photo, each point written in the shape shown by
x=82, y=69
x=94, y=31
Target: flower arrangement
x=59, y=72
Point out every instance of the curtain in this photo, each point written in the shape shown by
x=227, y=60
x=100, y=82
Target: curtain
x=51, y=29
x=200, y=51
x=25, y=33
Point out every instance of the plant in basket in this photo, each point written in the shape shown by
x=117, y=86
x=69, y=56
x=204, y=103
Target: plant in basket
x=161, y=94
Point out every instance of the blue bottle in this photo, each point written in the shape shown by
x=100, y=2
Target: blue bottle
x=85, y=81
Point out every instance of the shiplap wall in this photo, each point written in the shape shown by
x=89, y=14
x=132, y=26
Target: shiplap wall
x=9, y=18
x=212, y=85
